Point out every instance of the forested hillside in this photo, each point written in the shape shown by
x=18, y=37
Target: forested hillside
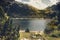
x=16, y=10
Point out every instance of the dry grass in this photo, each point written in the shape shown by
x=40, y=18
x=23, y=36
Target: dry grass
x=27, y=35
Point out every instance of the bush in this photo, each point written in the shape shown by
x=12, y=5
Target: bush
x=27, y=30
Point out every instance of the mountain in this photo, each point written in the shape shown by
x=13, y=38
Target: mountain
x=53, y=27
x=56, y=9
x=19, y=10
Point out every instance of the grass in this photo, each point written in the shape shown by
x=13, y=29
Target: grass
x=27, y=35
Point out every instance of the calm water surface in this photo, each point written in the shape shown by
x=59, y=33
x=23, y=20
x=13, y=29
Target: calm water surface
x=31, y=24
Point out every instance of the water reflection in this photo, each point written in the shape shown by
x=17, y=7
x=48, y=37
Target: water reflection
x=32, y=24
x=37, y=24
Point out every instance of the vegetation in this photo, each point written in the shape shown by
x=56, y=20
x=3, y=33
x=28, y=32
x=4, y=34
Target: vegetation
x=52, y=31
x=7, y=32
x=10, y=32
x=27, y=30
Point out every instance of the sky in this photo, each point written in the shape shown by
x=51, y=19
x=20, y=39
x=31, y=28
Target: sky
x=39, y=4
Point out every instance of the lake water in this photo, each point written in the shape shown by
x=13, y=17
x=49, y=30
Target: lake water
x=31, y=24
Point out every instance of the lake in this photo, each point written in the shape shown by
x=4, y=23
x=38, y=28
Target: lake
x=33, y=24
